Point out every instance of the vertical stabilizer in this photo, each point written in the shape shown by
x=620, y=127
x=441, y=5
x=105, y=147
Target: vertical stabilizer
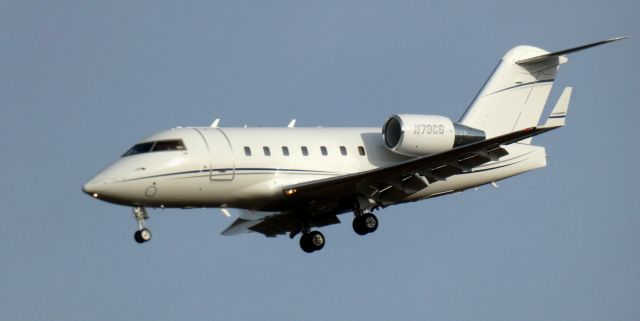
x=514, y=96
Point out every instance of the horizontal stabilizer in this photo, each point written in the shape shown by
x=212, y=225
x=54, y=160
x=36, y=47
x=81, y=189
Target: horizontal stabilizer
x=553, y=55
x=559, y=112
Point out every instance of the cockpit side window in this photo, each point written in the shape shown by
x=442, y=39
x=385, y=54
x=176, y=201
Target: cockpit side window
x=157, y=146
x=175, y=144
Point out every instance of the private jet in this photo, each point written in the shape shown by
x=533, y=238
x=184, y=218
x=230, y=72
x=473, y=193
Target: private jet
x=292, y=180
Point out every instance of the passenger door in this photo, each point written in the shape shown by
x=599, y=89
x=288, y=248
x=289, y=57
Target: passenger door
x=222, y=167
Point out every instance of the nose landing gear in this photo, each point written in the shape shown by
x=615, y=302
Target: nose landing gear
x=143, y=234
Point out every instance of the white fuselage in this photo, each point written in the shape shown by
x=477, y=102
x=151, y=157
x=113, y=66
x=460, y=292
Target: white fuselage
x=295, y=179
x=248, y=167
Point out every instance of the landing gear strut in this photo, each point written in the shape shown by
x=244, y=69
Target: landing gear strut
x=143, y=234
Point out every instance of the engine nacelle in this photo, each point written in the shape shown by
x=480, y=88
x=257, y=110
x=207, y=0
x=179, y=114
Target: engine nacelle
x=417, y=135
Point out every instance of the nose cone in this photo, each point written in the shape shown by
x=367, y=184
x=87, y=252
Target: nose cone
x=91, y=188
x=98, y=186
x=111, y=185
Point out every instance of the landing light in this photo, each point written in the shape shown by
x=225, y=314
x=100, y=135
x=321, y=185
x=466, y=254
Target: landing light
x=95, y=195
x=290, y=192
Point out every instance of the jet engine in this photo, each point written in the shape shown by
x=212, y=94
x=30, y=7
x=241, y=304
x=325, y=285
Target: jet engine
x=418, y=135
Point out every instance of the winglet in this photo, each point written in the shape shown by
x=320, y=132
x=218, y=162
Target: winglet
x=292, y=123
x=552, y=55
x=215, y=123
x=559, y=112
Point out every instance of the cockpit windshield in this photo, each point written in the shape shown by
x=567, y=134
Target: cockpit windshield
x=156, y=146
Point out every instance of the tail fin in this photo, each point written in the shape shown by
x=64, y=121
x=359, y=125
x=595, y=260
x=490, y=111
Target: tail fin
x=514, y=96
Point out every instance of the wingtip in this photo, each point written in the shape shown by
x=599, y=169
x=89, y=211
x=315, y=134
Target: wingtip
x=615, y=39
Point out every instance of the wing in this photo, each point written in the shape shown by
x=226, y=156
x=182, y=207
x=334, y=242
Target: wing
x=388, y=184
x=278, y=223
x=272, y=224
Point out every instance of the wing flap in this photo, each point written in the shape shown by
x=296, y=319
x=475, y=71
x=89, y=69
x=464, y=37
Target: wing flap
x=390, y=195
x=446, y=170
x=414, y=183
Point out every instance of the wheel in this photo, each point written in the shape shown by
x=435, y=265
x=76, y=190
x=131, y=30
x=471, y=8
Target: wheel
x=142, y=236
x=359, y=225
x=311, y=242
x=145, y=235
x=317, y=240
x=305, y=243
x=370, y=222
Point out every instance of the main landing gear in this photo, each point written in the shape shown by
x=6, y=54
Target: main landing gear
x=143, y=234
x=312, y=241
x=365, y=223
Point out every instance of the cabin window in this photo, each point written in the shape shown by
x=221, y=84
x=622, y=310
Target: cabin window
x=343, y=151
x=305, y=151
x=361, y=150
x=323, y=150
x=266, y=151
x=285, y=150
x=247, y=151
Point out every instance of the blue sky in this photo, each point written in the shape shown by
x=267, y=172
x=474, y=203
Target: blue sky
x=82, y=81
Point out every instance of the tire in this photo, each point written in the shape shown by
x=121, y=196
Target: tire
x=138, y=237
x=359, y=226
x=305, y=243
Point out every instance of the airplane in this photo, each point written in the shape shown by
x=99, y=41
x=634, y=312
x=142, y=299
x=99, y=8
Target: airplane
x=295, y=180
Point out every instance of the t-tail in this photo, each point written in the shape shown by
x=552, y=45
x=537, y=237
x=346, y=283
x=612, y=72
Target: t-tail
x=516, y=93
